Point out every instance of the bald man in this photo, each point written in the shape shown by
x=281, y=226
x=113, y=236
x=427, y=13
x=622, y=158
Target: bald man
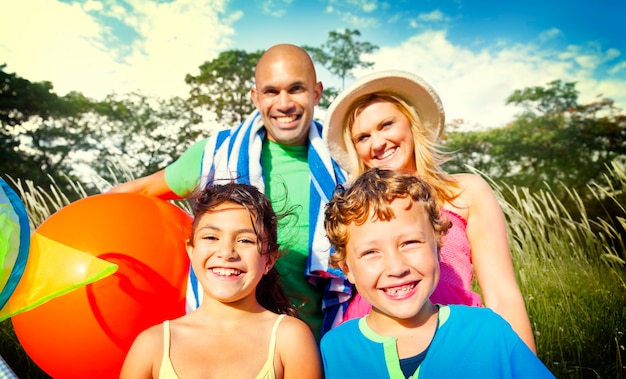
x=279, y=149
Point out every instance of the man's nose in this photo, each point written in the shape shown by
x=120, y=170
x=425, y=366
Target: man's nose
x=284, y=100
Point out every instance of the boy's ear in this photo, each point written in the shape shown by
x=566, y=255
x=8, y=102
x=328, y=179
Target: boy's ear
x=346, y=270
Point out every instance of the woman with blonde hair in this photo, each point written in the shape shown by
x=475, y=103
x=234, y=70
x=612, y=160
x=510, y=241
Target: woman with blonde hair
x=393, y=119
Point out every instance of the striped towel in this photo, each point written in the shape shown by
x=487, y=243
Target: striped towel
x=236, y=154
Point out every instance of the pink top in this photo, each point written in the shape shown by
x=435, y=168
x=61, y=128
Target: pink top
x=455, y=281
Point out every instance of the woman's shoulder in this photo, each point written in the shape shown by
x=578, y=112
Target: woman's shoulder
x=471, y=185
x=467, y=179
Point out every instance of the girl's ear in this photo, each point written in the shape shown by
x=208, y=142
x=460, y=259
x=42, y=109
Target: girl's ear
x=346, y=270
x=271, y=259
x=189, y=247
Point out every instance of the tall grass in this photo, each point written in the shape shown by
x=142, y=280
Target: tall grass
x=573, y=276
x=570, y=270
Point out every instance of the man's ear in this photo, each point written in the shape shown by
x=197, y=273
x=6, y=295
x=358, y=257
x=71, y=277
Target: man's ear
x=253, y=96
x=319, y=91
x=346, y=270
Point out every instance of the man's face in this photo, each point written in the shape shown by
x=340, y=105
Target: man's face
x=286, y=94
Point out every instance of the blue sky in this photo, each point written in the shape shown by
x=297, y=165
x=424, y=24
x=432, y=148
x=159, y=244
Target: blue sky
x=474, y=52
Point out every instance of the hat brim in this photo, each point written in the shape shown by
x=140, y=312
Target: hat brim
x=411, y=88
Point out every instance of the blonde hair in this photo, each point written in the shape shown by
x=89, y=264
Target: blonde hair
x=427, y=153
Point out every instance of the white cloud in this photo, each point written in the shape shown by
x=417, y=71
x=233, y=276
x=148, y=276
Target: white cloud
x=550, y=34
x=424, y=19
x=66, y=44
x=474, y=85
x=275, y=8
x=367, y=6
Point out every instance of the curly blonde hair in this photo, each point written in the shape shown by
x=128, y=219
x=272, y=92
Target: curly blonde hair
x=370, y=195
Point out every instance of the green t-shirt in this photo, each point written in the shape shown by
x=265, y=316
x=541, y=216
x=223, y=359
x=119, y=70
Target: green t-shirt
x=183, y=175
x=287, y=177
x=286, y=171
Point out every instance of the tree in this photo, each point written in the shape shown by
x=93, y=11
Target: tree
x=223, y=85
x=147, y=133
x=39, y=130
x=555, y=142
x=341, y=54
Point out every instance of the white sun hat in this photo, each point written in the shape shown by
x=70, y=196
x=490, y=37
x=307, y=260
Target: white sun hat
x=411, y=88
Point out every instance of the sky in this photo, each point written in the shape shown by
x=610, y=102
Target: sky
x=475, y=53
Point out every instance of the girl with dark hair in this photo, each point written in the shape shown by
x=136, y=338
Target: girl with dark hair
x=245, y=326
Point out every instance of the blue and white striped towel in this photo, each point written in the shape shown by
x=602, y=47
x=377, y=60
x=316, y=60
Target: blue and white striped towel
x=236, y=154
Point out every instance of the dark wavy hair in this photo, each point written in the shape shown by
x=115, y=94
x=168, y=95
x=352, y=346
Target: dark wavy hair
x=269, y=292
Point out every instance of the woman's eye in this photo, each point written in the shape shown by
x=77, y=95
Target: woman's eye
x=360, y=139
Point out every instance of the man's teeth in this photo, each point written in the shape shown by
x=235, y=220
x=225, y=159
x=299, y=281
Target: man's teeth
x=226, y=271
x=286, y=119
x=399, y=290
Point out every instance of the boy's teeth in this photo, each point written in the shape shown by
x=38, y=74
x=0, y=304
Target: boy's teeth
x=399, y=290
x=226, y=271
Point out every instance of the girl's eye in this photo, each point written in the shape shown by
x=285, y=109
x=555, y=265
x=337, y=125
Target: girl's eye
x=209, y=237
x=247, y=241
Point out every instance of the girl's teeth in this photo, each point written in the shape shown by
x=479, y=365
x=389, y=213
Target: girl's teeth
x=226, y=271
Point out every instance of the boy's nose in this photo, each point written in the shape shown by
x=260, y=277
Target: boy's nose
x=395, y=265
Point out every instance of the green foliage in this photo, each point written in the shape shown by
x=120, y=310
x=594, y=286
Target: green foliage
x=555, y=143
x=39, y=129
x=341, y=54
x=223, y=85
x=147, y=133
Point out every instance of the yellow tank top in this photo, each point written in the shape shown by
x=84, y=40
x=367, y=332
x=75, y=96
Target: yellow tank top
x=167, y=370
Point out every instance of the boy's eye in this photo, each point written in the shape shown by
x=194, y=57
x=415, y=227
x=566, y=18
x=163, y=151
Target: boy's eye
x=412, y=243
x=368, y=253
